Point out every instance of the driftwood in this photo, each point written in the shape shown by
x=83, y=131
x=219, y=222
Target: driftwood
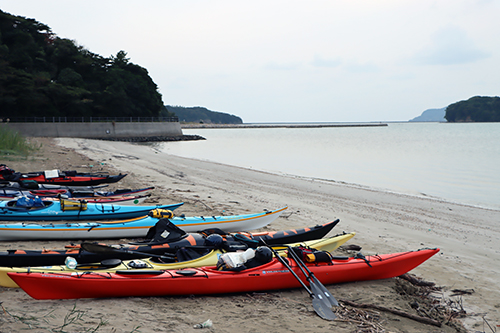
x=416, y=281
x=204, y=204
x=457, y=292
x=286, y=216
x=424, y=320
x=350, y=247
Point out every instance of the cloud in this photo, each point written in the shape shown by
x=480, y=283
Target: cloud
x=450, y=46
x=363, y=68
x=318, y=61
x=281, y=66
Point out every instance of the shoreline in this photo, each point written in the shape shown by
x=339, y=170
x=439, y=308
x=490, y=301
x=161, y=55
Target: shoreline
x=384, y=222
x=469, y=239
x=397, y=157
x=374, y=189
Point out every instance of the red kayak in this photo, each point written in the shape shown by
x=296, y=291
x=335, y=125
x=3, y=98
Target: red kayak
x=207, y=280
x=57, y=177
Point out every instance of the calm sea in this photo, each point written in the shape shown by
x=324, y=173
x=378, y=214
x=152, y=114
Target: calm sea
x=459, y=162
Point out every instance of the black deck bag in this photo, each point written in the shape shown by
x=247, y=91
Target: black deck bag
x=307, y=254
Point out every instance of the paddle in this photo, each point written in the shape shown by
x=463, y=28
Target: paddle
x=312, y=279
x=98, y=248
x=320, y=306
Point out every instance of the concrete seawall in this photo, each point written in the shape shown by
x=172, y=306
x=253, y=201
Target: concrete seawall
x=280, y=125
x=105, y=130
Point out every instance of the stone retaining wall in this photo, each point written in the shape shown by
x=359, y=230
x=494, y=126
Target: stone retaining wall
x=108, y=130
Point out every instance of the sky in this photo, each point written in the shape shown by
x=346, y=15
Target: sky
x=294, y=61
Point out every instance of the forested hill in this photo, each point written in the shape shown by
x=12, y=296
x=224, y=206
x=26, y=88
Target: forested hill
x=200, y=114
x=44, y=75
x=475, y=109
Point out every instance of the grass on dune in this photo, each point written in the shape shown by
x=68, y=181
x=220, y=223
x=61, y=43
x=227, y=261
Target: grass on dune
x=13, y=145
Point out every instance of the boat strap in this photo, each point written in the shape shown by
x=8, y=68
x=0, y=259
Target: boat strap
x=359, y=255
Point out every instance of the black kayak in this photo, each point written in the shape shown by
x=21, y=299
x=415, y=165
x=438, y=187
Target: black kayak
x=164, y=238
x=11, y=192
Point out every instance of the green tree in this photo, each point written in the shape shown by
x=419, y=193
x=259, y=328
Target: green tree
x=475, y=109
x=44, y=75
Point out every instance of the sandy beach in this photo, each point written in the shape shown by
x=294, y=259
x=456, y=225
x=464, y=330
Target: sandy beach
x=384, y=222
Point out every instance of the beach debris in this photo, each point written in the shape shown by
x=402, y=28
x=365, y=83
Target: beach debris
x=206, y=324
x=431, y=301
x=350, y=247
x=416, y=281
x=286, y=216
x=195, y=201
x=457, y=292
x=428, y=321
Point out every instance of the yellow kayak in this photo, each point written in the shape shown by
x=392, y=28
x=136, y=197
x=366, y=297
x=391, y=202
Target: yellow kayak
x=210, y=259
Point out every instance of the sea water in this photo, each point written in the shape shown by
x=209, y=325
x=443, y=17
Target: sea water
x=459, y=162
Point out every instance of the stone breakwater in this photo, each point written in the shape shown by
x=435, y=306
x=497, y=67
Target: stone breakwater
x=154, y=138
x=278, y=125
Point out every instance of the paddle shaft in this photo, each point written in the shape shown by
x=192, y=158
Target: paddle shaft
x=285, y=263
x=321, y=308
x=311, y=278
x=103, y=248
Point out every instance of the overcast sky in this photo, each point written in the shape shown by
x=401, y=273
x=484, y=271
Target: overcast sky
x=294, y=61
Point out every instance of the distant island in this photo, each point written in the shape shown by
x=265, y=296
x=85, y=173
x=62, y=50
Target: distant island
x=202, y=115
x=475, y=109
x=431, y=115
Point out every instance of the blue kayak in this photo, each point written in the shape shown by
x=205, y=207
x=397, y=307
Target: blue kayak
x=29, y=209
x=130, y=228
